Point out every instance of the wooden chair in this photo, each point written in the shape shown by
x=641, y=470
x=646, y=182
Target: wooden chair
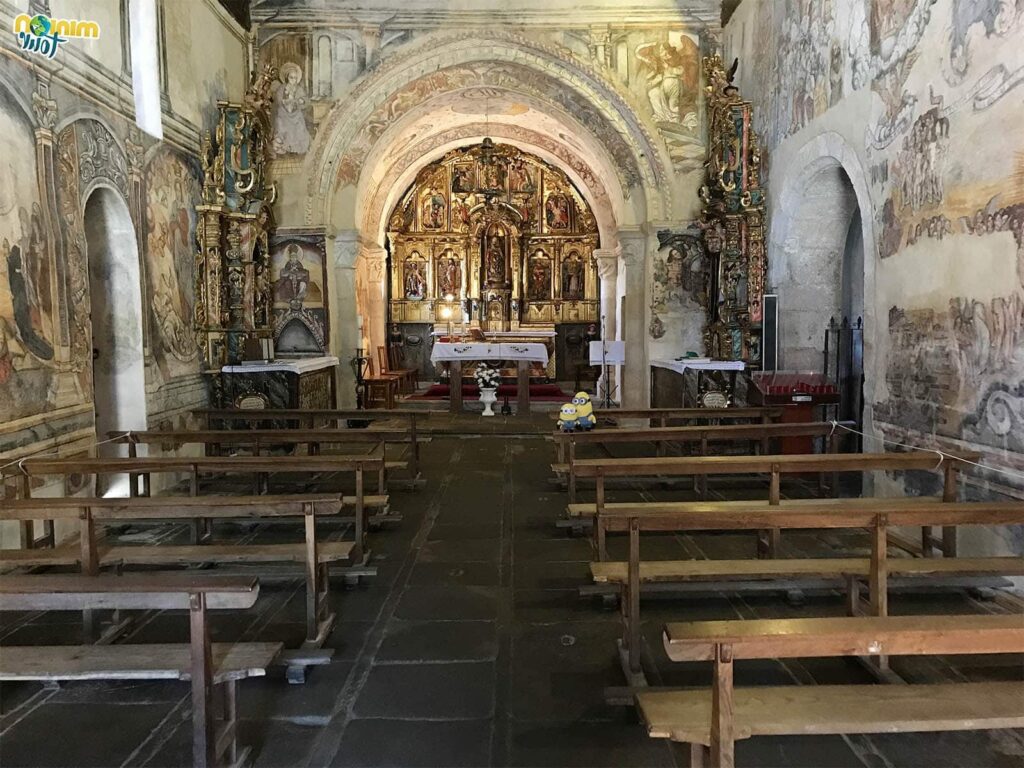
x=396, y=364
x=381, y=388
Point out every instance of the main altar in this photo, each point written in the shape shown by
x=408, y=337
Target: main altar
x=494, y=243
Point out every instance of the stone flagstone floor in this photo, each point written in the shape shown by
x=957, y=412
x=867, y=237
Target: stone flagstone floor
x=470, y=648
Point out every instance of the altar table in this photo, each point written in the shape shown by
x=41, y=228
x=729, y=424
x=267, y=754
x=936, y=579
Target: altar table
x=523, y=353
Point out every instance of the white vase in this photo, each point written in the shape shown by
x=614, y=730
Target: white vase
x=488, y=395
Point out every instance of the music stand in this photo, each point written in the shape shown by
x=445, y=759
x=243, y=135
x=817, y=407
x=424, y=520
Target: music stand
x=606, y=354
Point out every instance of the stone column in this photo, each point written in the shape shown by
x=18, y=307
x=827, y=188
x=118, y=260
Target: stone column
x=372, y=274
x=342, y=253
x=608, y=269
x=599, y=48
x=636, y=374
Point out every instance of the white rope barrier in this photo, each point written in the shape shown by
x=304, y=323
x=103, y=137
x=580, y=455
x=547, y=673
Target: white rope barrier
x=56, y=451
x=942, y=455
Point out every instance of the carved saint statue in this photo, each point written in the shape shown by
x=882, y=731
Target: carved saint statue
x=291, y=136
x=415, y=283
x=494, y=257
x=572, y=277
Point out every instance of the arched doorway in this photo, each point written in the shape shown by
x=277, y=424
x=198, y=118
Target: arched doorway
x=115, y=289
x=818, y=268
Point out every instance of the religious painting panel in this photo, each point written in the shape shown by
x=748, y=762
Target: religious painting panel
x=462, y=178
x=449, y=274
x=574, y=280
x=433, y=210
x=28, y=335
x=172, y=193
x=557, y=212
x=298, y=279
x=538, y=278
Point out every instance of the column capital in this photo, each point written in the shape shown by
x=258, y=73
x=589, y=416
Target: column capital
x=607, y=260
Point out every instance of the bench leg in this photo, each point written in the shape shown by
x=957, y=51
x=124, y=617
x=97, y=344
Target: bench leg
x=722, y=752
x=203, y=732
x=700, y=756
x=312, y=582
x=633, y=595
x=229, y=724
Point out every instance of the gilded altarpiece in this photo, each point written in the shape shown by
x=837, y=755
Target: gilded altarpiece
x=234, y=295
x=733, y=222
x=491, y=237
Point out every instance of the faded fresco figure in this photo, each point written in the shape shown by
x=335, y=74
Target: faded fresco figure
x=291, y=136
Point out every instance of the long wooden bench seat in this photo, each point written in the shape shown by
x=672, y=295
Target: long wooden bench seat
x=313, y=418
x=777, y=465
x=717, y=717
x=157, y=661
x=212, y=669
x=761, y=434
x=92, y=553
x=876, y=515
x=654, y=571
x=661, y=416
x=685, y=716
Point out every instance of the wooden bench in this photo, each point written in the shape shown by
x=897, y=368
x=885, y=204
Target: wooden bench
x=312, y=418
x=258, y=440
x=213, y=669
x=877, y=515
x=260, y=466
x=661, y=417
x=762, y=434
x=716, y=718
x=91, y=553
x=776, y=466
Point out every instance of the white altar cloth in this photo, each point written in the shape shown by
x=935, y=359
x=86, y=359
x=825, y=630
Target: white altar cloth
x=680, y=366
x=299, y=365
x=446, y=351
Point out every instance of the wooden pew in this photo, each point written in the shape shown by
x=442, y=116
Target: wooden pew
x=776, y=466
x=90, y=553
x=660, y=417
x=716, y=718
x=213, y=669
x=877, y=515
x=312, y=418
x=258, y=440
x=703, y=435
x=259, y=465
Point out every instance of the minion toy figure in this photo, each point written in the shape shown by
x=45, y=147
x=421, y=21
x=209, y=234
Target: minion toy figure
x=567, y=421
x=585, y=417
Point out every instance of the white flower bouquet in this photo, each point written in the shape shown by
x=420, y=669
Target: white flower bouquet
x=486, y=376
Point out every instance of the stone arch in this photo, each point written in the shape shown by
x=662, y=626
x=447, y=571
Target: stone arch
x=824, y=192
x=373, y=217
x=446, y=61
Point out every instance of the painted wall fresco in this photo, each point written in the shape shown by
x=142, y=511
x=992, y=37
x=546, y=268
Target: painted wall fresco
x=679, y=273
x=28, y=335
x=943, y=156
x=172, y=192
x=298, y=279
x=60, y=145
x=662, y=71
x=808, y=54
